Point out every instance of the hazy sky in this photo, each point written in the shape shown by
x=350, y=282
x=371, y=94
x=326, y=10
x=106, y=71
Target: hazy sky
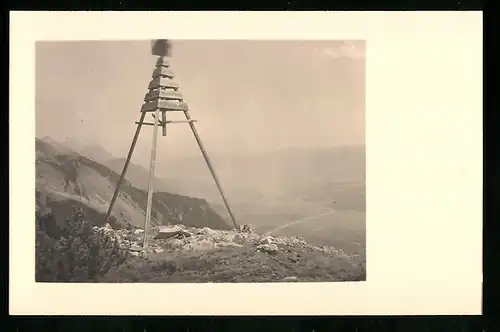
x=246, y=95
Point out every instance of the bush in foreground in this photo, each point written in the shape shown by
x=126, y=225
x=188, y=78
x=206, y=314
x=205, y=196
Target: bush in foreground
x=81, y=254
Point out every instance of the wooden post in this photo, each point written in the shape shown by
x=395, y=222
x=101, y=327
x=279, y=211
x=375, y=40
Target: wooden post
x=210, y=167
x=147, y=221
x=125, y=167
x=164, y=122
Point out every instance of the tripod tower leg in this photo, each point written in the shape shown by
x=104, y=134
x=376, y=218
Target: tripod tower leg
x=147, y=221
x=210, y=167
x=125, y=167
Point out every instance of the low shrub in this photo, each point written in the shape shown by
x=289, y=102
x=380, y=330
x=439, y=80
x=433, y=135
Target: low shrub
x=80, y=254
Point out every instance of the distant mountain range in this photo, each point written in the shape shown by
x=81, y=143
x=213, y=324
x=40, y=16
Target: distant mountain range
x=279, y=186
x=92, y=151
x=66, y=179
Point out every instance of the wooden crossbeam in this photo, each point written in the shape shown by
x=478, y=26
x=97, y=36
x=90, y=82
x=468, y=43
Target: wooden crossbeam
x=181, y=121
x=163, y=82
x=169, y=121
x=164, y=105
x=163, y=72
x=163, y=94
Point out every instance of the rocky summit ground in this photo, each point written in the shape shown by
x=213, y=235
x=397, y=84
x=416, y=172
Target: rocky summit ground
x=184, y=254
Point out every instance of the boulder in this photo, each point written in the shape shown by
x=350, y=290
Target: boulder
x=267, y=240
x=167, y=232
x=288, y=279
x=239, y=239
x=268, y=248
x=176, y=244
x=222, y=236
x=247, y=228
x=207, y=232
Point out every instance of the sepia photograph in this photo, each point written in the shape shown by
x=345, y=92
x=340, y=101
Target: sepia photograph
x=200, y=161
x=245, y=163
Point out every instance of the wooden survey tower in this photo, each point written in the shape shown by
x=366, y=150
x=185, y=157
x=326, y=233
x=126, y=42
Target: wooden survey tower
x=163, y=97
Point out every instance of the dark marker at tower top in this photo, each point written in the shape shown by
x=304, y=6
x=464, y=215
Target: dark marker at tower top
x=161, y=47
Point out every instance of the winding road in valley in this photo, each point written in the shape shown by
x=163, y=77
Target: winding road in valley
x=301, y=220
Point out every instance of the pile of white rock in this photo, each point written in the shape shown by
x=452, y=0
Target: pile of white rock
x=183, y=238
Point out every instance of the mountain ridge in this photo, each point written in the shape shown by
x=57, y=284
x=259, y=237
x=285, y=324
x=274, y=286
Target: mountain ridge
x=69, y=180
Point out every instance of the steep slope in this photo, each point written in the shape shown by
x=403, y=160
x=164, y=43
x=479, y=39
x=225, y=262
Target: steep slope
x=65, y=181
x=137, y=175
